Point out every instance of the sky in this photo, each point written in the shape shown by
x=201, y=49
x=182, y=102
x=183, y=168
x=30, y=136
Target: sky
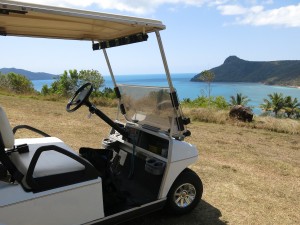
x=199, y=35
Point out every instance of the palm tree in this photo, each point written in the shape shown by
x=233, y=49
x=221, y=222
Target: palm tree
x=275, y=104
x=266, y=106
x=291, y=106
x=239, y=99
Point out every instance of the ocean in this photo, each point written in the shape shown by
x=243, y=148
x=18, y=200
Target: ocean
x=186, y=89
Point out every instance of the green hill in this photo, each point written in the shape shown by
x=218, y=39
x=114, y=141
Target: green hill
x=30, y=75
x=234, y=69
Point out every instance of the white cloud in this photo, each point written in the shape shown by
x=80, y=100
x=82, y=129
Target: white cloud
x=230, y=10
x=288, y=16
x=250, y=12
x=132, y=6
x=256, y=9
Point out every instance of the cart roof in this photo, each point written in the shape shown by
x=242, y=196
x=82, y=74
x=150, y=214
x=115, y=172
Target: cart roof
x=32, y=20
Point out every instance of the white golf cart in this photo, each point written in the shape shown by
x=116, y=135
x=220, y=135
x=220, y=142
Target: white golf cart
x=142, y=165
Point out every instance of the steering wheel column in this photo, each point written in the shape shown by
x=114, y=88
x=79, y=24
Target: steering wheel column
x=81, y=97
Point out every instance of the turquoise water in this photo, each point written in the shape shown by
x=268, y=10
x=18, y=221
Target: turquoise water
x=186, y=89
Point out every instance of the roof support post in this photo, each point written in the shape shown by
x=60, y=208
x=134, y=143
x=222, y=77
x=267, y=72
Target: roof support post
x=109, y=67
x=164, y=59
x=174, y=97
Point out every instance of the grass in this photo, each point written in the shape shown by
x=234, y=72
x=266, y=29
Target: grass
x=250, y=176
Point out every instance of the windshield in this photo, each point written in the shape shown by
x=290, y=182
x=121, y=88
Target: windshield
x=148, y=105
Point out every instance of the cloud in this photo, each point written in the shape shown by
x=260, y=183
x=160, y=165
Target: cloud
x=230, y=10
x=245, y=12
x=132, y=6
x=287, y=16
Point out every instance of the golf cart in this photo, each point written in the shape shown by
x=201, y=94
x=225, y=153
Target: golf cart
x=141, y=166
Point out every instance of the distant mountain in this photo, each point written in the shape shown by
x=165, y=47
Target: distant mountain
x=30, y=75
x=234, y=69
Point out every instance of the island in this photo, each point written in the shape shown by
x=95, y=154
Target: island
x=234, y=69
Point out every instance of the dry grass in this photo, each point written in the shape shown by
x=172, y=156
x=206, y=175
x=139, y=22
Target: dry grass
x=106, y=102
x=250, y=176
x=278, y=125
x=212, y=115
x=209, y=115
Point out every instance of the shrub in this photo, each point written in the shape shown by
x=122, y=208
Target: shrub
x=16, y=83
x=218, y=102
x=71, y=80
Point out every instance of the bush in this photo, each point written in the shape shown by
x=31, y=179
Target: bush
x=71, y=80
x=16, y=83
x=218, y=102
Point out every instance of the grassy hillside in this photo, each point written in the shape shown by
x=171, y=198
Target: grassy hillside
x=234, y=69
x=250, y=176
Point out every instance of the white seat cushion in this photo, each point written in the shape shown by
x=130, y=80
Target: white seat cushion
x=5, y=130
x=50, y=162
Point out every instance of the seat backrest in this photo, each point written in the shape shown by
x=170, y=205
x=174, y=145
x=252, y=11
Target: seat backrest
x=7, y=140
x=6, y=133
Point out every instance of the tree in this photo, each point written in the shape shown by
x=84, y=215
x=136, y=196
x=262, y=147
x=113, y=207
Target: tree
x=291, y=106
x=16, y=83
x=92, y=76
x=108, y=93
x=275, y=103
x=239, y=99
x=71, y=80
x=45, y=90
x=207, y=76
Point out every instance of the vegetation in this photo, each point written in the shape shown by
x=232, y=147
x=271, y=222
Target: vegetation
x=218, y=102
x=217, y=116
x=292, y=107
x=239, y=99
x=218, y=112
x=206, y=109
x=208, y=77
x=235, y=69
x=16, y=83
x=68, y=83
x=281, y=106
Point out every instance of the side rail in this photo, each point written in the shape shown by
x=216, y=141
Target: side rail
x=58, y=180
x=16, y=128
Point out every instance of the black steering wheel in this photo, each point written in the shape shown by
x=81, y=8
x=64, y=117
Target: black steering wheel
x=80, y=97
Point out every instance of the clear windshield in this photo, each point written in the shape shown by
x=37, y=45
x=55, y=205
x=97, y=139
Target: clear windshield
x=148, y=105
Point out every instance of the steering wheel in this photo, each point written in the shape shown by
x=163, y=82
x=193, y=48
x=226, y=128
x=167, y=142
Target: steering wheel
x=80, y=97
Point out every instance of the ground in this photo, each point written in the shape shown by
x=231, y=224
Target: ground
x=250, y=176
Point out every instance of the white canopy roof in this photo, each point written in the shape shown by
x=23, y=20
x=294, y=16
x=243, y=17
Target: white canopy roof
x=32, y=20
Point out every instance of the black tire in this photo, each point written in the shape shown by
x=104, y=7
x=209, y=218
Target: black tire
x=185, y=193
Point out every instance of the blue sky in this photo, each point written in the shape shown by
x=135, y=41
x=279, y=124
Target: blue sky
x=200, y=34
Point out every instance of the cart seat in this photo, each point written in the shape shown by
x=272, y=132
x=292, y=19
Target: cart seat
x=47, y=162
x=50, y=162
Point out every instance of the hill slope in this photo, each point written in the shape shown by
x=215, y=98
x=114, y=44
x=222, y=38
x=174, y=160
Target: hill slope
x=234, y=69
x=30, y=75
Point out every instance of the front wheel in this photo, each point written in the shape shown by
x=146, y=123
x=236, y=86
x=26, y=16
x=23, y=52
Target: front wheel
x=185, y=193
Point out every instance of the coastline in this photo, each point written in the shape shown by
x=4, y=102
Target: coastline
x=278, y=85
